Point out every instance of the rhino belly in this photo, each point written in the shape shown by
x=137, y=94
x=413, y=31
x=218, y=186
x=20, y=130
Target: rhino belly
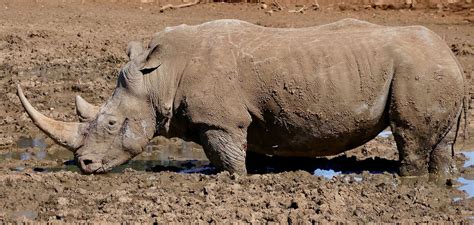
x=306, y=133
x=308, y=141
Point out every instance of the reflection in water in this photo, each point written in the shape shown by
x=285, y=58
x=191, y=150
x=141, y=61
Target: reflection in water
x=27, y=142
x=57, y=154
x=181, y=166
x=204, y=170
x=467, y=184
x=19, y=168
x=35, y=149
x=177, y=156
x=326, y=173
x=25, y=156
x=470, y=159
x=385, y=134
x=41, y=155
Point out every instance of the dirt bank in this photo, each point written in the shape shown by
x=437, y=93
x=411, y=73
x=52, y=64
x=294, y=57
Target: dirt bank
x=56, y=51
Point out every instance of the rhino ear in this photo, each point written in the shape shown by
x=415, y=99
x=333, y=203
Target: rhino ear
x=134, y=49
x=152, y=60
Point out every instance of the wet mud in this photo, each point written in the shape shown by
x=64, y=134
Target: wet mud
x=56, y=51
x=173, y=182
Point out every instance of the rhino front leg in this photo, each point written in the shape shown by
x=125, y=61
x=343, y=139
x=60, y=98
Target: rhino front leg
x=226, y=150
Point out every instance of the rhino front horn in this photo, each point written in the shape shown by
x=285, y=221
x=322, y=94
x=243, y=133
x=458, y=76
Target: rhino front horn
x=85, y=110
x=67, y=134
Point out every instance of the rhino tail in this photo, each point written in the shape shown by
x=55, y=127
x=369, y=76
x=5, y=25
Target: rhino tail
x=465, y=107
x=466, y=103
x=463, y=112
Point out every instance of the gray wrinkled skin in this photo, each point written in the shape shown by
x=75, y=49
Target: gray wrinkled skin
x=235, y=87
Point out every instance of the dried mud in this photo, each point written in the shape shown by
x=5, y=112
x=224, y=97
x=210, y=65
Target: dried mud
x=58, y=50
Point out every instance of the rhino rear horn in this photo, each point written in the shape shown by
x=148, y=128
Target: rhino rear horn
x=85, y=110
x=67, y=134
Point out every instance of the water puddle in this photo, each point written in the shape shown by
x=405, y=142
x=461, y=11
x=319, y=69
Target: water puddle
x=178, y=156
x=180, y=166
x=470, y=159
x=467, y=183
x=27, y=142
x=467, y=186
x=187, y=157
x=182, y=157
x=328, y=174
x=385, y=134
x=34, y=149
x=205, y=170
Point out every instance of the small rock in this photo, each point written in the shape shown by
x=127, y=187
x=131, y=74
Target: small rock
x=62, y=201
x=124, y=199
x=9, y=120
x=5, y=142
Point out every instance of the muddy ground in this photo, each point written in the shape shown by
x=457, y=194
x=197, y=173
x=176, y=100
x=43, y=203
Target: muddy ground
x=58, y=50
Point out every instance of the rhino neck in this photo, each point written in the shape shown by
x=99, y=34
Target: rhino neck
x=162, y=87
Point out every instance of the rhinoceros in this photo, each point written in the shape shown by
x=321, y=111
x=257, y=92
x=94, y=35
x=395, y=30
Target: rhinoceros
x=235, y=87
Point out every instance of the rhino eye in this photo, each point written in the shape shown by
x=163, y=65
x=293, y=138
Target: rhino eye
x=111, y=126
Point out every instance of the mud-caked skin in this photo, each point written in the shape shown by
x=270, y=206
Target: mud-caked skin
x=235, y=87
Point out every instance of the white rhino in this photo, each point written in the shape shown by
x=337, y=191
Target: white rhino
x=234, y=87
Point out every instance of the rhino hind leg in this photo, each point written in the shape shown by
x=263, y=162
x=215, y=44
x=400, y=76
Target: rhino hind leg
x=425, y=153
x=442, y=157
x=225, y=150
x=422, y=114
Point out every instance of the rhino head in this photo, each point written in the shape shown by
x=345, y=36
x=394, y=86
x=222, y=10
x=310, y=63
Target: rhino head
x=120, y=129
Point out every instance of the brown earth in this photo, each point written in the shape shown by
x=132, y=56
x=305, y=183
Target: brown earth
x=57, y=50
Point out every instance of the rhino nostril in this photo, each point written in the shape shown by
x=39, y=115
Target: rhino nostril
x=87, y=161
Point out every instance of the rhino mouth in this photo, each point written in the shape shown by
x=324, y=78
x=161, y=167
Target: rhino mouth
x=90, y=165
